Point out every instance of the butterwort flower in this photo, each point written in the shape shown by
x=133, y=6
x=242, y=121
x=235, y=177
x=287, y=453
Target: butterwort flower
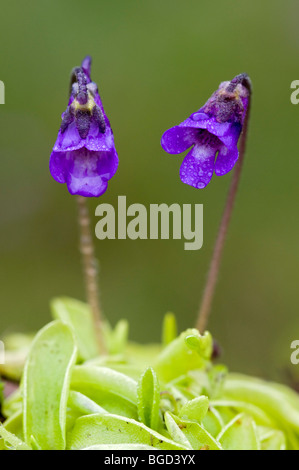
x=213, y=132
x=84, y=156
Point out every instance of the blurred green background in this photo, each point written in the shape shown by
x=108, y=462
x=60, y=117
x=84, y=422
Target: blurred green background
x=155, y=62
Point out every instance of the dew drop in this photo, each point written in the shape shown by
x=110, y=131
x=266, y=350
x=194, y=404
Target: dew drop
x=199, y=116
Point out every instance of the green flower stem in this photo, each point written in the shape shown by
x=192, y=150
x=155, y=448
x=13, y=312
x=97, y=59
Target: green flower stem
x=209, y=291
x=90, y=269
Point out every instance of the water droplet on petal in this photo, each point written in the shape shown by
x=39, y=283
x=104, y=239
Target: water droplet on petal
x=201, y=185
x=199, y=116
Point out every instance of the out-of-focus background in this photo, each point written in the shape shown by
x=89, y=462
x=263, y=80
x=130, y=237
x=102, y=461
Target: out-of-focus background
x=155, y=62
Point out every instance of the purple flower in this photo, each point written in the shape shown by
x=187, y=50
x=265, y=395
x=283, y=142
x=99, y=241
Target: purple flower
x=84, y=155
x=213, y=130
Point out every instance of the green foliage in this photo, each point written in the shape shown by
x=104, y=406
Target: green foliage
x=114, y=391
x=195, y=409
x=168, y=396
x=46, y=386
x=189, y=351
x=148, y=404
x=190, y=433
x=10, y=441
x=109, y=428
x=240, y=434
x=77, y=315
x=17, y=346
x=169, y=329
x=1, y=392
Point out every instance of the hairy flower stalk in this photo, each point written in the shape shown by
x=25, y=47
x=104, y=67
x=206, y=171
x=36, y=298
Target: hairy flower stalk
x=209, y=290
x=90, y=269
x=84, y=157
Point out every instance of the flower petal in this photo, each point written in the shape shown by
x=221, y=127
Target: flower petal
x=57, y=166
x=89, y=186
x=86, y=65
x=228, y=132
x=214, y=127
x=226, y=160
x=97, y=141
x=231, y=137
x=84, y=156
x=86, y=173
x=178, y=139
x=198, y=165
x=202, y=120
x=68, y=140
